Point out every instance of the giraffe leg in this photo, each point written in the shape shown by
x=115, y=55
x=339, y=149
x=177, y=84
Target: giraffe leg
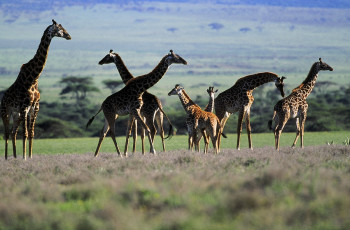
x=190, y=131
x=214, y=138
x=143, y=139
x=282, y=120
x=302, y=123
x=103, y=134
x=197, y=138
x=150, y=123
x=241, y=114
x=16, y=124
x=6, y=122
x=33, y=116
x=159, y=120
x=137, y=115
x=134, y=135
x=112, y=133
x=24, y=118
x=223, y=121
x=297, y=122
x=249, y=130
x=131, y=124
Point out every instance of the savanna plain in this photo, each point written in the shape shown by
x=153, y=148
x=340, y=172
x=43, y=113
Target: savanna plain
x=178, y=189
x=65, y=187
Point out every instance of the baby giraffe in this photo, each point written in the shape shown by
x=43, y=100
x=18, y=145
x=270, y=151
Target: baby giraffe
x=295, y=105
x=209, y=108
x=129, y=100
x=201, y=120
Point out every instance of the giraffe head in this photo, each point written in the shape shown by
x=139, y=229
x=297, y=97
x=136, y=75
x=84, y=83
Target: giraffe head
x=174, y=58
x=211, y=91
x=109, y=58
x=57, y=30
x=323, y=66
x=279, y=84
x=176, y=90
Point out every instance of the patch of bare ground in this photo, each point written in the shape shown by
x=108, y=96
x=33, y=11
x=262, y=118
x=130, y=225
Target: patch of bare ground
x=259, y=189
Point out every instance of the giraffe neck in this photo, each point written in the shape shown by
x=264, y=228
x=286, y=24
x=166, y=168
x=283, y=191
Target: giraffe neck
x=250, y=82
x=186, y=102
x=30, y=72
x=122, y=69
x=309, y=83
x=140, y=84
x=210, y=105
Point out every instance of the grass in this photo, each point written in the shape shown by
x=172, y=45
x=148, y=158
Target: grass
x=260, y=189
x=178, y=142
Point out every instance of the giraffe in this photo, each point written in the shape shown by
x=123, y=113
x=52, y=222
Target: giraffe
x=128, y=101
x=239, y=98
x=295, y=105
x=151, y=109
x=208, y=108
x=201, y=120
x=210, y=105
x=21, y=99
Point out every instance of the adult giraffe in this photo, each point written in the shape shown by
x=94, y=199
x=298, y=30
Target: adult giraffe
x=128, y=101
x=239, y=98
x=295, y=105
x=21, y=99
x=151, y=110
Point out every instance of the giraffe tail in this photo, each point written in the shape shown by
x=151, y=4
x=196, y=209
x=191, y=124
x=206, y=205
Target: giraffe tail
x=270, y=121
x=171, y=129
x=92, y=119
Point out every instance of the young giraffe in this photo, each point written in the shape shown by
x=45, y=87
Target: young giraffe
x=129, y=100
x=239, y=98
x=151, y=109
x=201, y=120
x=21, y=100
x=295, y=105
x=209, y=108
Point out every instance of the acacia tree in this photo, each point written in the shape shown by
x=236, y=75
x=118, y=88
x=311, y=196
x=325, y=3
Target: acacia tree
x=112, y=84
x=78, y=87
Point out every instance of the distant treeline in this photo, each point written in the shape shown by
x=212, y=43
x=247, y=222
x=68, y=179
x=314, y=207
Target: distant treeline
x=67, y=117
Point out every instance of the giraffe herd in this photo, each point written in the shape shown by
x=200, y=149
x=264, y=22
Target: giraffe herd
x=21, y=103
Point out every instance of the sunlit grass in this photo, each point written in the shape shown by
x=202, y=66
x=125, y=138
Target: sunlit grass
x=177, y=142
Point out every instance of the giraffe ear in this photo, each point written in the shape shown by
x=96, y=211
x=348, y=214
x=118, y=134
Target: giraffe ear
x=54, y=22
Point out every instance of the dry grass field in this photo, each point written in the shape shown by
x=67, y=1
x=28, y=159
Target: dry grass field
x=261, y=189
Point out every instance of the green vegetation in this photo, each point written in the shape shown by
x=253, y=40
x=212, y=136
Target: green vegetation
x=261, y=189
x=177, y=142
